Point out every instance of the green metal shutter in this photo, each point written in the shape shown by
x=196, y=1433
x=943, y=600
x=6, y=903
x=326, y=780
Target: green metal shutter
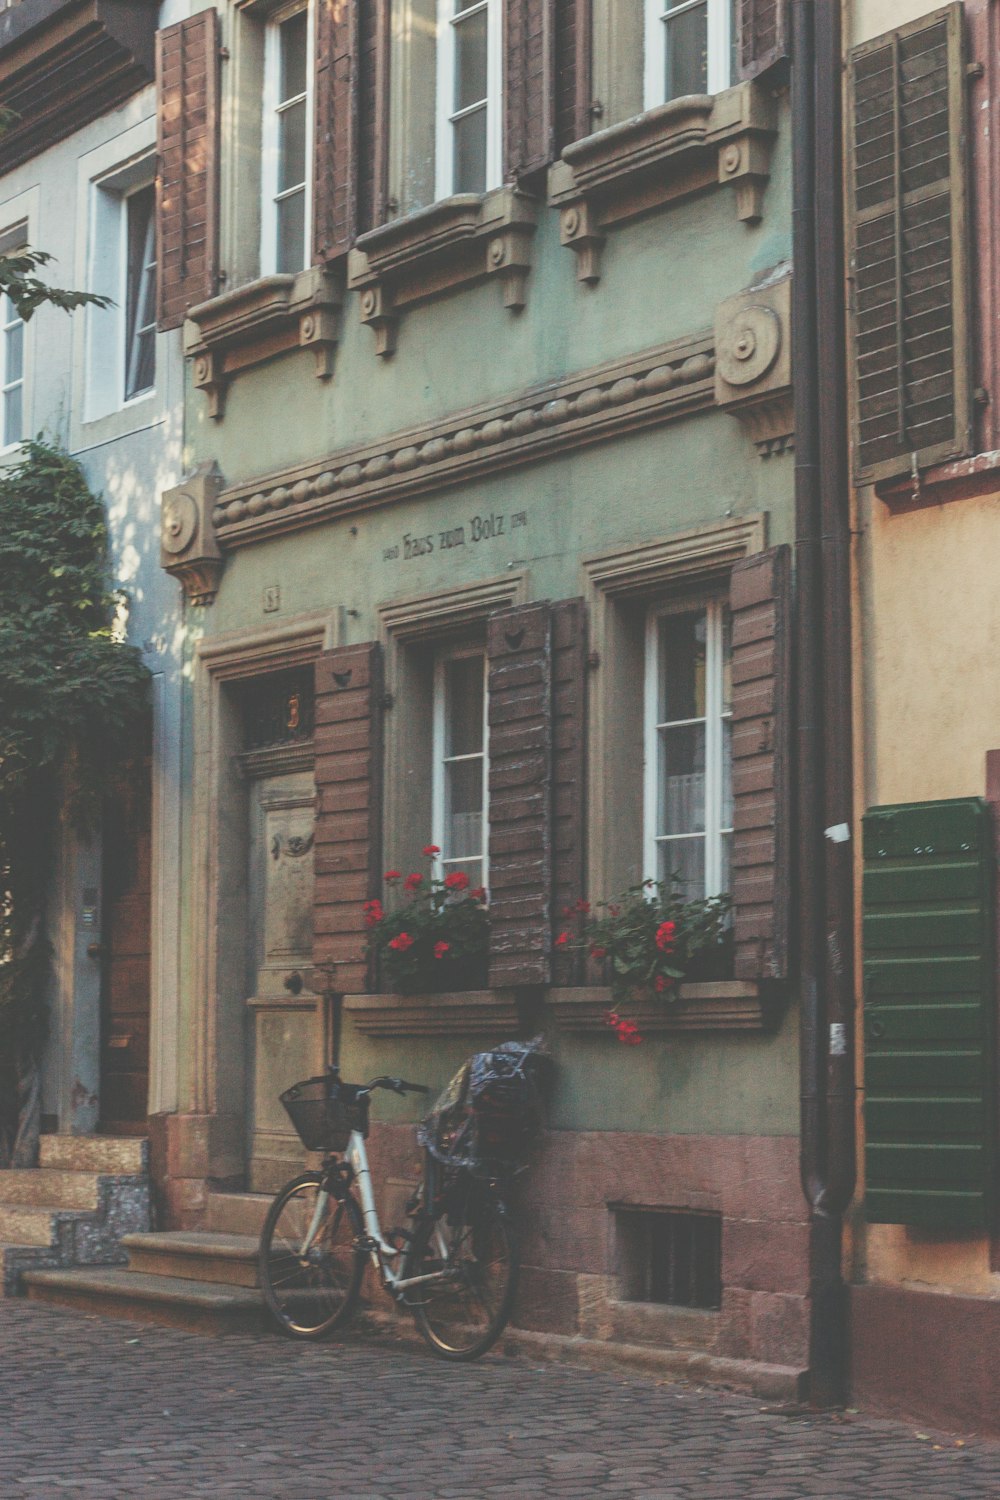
x=929, y=988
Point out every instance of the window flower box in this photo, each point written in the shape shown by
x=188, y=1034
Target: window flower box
x=494, y=1014
x=710, y=1005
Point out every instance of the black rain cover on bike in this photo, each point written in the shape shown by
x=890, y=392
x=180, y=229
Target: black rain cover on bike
x=491, y=1112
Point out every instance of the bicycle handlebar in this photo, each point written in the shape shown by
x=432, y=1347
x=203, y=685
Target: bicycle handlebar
x=397, y=1085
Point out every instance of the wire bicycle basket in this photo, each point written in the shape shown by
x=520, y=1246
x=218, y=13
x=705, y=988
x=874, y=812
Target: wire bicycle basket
x=324, y=1112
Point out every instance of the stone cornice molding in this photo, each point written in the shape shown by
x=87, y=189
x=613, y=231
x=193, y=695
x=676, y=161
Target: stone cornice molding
x=661, y=385
x=457, y=241
x=255, y=322
x=679, y=148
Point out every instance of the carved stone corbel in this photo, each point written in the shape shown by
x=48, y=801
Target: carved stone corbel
x=318, y=332
x=578, y=230
x=745, y=164
x=381, y=317
x=208, y=377
x=753, y=370
x=188, y=546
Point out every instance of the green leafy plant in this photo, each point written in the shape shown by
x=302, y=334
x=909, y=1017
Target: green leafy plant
x=648, y=940
x=436, y=935
x=73, y=698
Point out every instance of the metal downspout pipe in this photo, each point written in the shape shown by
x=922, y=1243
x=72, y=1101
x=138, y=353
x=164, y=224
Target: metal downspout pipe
x=822, y=684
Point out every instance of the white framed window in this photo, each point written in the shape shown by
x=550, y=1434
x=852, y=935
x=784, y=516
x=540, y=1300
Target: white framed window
x=688, y=48
x=286, y=154
x=688, y=784
x=460, y=790
x=139, y=259
x=12, y=342
x=468, y=147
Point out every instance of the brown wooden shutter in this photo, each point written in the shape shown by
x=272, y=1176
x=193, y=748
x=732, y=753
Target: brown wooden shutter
x=335, y=158
x=373, y=112
x=569, y=731
x=760, y=600
x=528, y=95
x=573, y=40
x=187, y=145
x=908, y=238
x=349, y=708
x=763, y=36
x=519, y=652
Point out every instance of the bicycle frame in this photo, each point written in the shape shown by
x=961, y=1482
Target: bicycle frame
x=379, y=1249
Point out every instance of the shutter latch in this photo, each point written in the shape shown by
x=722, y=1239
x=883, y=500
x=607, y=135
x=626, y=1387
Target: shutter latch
x=915, y=477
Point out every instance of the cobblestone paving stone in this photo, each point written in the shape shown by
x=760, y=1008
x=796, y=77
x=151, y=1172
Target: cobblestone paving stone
x=113, y=1410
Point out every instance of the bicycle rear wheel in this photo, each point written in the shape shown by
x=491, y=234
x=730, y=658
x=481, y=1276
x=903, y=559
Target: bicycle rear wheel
x=474, y=1245
x=311, y=1294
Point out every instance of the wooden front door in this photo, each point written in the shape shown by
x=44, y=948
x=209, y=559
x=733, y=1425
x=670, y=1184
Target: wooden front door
x=284, y=1020
x=127, y=867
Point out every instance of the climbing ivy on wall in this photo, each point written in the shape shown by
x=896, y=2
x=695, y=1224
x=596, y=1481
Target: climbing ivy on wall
x=73, y=696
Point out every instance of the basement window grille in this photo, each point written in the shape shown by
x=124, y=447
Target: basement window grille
x=278, y=709
x=670, y=1256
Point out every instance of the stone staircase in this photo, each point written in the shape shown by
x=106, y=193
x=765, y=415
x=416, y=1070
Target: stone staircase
x=204, y=1280
x=74, y=1208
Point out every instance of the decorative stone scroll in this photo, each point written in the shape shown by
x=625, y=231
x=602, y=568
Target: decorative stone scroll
x=188, y=547
x=663, y=384
x=459, y=240
x=253, y=323
x=753, y=362
x=683, y=146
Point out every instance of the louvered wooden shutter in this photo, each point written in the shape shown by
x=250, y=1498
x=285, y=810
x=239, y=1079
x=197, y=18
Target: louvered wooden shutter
x=349, y=710
x=930, y=998
x=519, y=653
x=569, y=729
x=335, y=157
x=762, y=35
x=373, y=111
x=908, y=238
x=529, y=103
x=573, y=39
x=187, y=87
x=759, y=600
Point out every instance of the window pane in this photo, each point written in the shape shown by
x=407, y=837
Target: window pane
x=464, y=688
x=472, y=867
x=685, y=859
x=681, y=780
x=14, y=363
x=294, y=48
x=470, y=153
x=291, y=232
x=13, y=422
x=463, y=809
x=470, y=60
x=140, y=279
x=727, y=660
x=682, y=667
x=687, y=52
x=727, y=773
x=292, y=146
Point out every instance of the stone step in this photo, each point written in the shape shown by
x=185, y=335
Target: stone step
x=126, y=1156
x=195, y=1255
x=175, y=1302
x=237, y=1213
x=48, y=1185
x=37, y=1225
x=16, y=1259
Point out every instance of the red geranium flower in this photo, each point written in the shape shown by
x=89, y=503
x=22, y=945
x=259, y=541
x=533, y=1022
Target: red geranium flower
x=663, y=982
x=373, y=913
x=401, y=942
x=582, y=905
x=440, y=949
x=431, y=849
x=393, y=874
x=598, y=952
x=456, y=881
x=628, y=1033
x=666, y=936
x=412, y=881
x=562, y=939
x=479, y=894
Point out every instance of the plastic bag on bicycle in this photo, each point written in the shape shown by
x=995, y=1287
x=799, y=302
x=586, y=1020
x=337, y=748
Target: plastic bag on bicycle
x=491, y=1112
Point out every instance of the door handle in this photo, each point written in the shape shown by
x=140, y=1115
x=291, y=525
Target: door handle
x=294, y=983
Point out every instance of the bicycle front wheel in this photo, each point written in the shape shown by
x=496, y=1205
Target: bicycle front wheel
x=475, y=1251
x=311, y=1289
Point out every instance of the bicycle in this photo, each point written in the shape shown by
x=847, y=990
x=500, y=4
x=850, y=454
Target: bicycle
x=456, y=1269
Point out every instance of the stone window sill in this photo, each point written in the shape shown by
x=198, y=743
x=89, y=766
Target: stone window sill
x=716, y=1005
x=253, y=323
x=452, y=243
x=490, y=1013
x=667, y=153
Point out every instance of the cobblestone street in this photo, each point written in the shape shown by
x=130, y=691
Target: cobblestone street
x=114, y=1409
